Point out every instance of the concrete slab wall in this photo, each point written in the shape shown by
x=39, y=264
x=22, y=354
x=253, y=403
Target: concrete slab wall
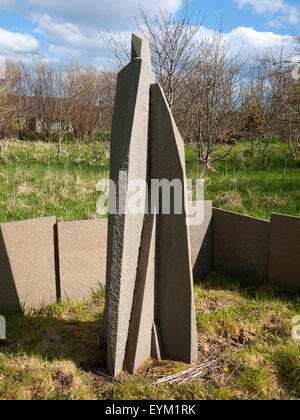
x=82, y=257
x=27, y=264
x=285, y=251
x=240, y=243
x=34, y=270
x=201, y=238
x=41, y=260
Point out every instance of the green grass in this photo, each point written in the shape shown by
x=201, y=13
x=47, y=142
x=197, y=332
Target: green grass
x=241, y=184
x=34, y=183
x=53, y=353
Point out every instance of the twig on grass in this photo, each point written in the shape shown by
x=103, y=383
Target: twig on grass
x=191, y=374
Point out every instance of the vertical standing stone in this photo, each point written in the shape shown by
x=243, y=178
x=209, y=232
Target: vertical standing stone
x=175, y=316
x=129, y=153
x=150, y=301
x=140, y=334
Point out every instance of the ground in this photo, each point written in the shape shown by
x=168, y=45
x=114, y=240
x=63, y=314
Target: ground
x=34, y=183
x=245, y=331
x=245, y=328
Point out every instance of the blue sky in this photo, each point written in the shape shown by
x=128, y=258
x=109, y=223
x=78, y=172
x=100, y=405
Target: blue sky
x=56, y=30
x=261, y=15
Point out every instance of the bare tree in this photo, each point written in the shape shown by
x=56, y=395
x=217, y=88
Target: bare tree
x=108, y=83
x=213, y=98
x=290, y=120
x=175, y=44
x=64, y=106
x=295, y=48
x=42, y=90
x=8, y=109
x=83, y=89
x=272, y=96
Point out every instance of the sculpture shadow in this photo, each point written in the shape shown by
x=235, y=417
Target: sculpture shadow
x=204, y=262
x=9, y=299
x=52, y=339
x=247, y=285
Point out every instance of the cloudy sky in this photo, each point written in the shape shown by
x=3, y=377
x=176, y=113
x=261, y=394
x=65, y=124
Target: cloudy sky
x=57, y=30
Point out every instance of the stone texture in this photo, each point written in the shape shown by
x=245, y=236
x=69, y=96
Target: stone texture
x=82, y=257
x=285, y=251
x=129, y=152
x=201, y=245
x=142, y=318
x=175, y=312
x=27, y=264
x=241, y=244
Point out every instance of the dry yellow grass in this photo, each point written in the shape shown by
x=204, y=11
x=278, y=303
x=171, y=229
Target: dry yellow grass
x=244, y=332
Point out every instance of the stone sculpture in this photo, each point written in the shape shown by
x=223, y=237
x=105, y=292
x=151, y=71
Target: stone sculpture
x=149, y=287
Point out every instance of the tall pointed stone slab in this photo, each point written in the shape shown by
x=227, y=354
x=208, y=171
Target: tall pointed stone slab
x=139, y=343
x=175, y=315
x=150, y=301
x=129, y=153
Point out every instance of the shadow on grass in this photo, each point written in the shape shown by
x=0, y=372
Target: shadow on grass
x=250, y=287
x=52, y=339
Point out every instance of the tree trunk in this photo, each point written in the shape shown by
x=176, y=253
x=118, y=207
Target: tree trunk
x=209, y=167
x=59, y=144
x=264, y=160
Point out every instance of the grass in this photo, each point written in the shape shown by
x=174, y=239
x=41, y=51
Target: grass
x=241, y=184
x=34, y=183
x=53, y=353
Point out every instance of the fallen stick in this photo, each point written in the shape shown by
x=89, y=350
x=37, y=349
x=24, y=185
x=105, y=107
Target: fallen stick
x=189, y=374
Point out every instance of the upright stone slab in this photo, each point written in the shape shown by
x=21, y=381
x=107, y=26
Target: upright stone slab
x=150, y=302
x=175, y=310
x=27, y=264
x=241, y=244
x=129, y=153
x=284, y=262
x=140, y=333
x=202, y=245
x=82, y=257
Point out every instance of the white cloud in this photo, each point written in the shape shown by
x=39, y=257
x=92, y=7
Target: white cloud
x=284, y=11
x=255, y=42
x=263, y=6
x=67, y=34
x=107, y=14
x=73, y=26
x=68, y=41
x=70, y=29
x=250, y=44
x=8, y=4
x=15, y=43
x=18, y=46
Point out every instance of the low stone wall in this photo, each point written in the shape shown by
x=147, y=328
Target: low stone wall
x=28, y=275
x=241, y=243
x=82, y=257
x=41, y=260
x=201, y=238
x=285, y=251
